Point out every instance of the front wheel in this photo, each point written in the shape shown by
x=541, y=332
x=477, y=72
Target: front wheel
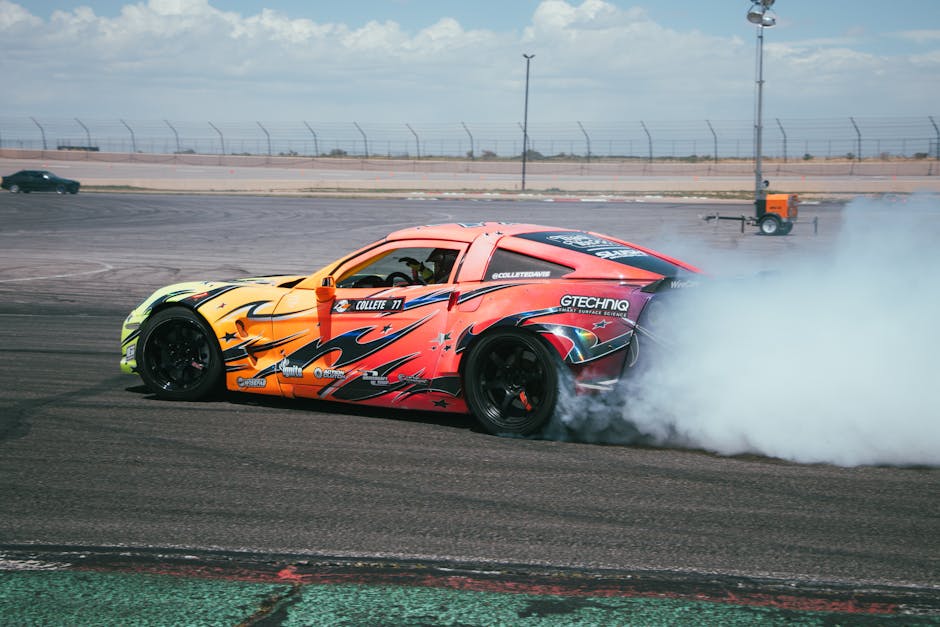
x=769, y=225
x=511, y=383
x=178, y=356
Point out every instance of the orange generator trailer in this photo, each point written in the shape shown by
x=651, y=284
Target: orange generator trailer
x=775, y=214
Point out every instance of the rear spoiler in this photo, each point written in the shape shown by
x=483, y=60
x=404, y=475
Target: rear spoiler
x=671, y=283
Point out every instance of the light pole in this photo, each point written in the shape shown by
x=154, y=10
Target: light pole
x=525, y=117
x=761, y=15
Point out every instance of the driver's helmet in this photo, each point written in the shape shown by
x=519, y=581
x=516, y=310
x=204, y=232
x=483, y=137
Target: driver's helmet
x=442, y=262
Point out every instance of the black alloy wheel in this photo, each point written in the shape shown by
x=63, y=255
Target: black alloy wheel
x=511, y=383
x=178, y=356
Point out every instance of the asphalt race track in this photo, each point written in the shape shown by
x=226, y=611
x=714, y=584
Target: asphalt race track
x=89, y=458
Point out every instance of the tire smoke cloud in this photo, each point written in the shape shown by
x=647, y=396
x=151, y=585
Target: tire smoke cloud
x=832, y=359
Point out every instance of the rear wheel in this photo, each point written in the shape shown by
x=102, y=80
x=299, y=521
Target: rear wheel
x=15, y=189
x=769, y=225
x=178, y=356
x=511, y=383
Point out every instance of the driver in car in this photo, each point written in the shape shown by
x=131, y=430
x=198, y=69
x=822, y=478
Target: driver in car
x=442, y=262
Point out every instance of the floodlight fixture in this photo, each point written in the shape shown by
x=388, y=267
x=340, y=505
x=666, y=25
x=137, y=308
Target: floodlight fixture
x=760, y=13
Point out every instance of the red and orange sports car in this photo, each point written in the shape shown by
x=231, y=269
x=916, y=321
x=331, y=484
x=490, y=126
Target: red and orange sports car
x=482, y=318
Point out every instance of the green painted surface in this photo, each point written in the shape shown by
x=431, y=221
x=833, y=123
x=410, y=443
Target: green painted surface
x=51, y=598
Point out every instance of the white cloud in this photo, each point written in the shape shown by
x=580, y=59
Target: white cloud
x=13, y=16
x=920, y=36
x=594, y=61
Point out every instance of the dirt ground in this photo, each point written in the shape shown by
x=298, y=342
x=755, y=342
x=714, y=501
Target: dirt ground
x=291, y=175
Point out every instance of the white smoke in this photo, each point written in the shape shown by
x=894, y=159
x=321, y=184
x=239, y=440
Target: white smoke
x=835, y=359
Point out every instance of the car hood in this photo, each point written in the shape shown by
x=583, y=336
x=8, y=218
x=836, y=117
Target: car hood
x=195, y=293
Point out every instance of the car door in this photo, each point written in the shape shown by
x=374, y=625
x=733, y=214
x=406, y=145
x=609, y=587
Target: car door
x=31, y=181
x=379, y=335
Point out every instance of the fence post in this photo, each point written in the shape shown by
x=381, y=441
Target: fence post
x=649, y=139
x=417, y=141
x=784, y=133
x=221, y=139
x=177, y=135
x=87, y=135
x=365, y=140
x=42, y=131
x=316, y=145
x=133, y=139
x=268, y=135
x=714, y=139
x=586, y=139
x=858, y=156
x=472, y=157
x=937, y=131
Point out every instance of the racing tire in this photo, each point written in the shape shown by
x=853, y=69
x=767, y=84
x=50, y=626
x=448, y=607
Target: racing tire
x=511, y=383
x=769, y=225
x=14, y=189
x=178, y=356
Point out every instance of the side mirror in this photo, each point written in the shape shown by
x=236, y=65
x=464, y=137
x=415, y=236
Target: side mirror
x=327, y=290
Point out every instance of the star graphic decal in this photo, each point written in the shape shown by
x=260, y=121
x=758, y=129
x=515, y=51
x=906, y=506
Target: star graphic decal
x=441, y=403
x=386, y=329
x=447, y=348
x=229, y=336
x=442, y=337
x=601, y=324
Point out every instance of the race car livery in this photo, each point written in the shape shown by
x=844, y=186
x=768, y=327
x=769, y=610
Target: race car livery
x=480, y=318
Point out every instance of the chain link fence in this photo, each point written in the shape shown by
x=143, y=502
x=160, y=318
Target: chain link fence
x=788, y=140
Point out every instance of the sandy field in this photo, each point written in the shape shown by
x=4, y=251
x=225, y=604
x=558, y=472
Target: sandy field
x=323, y=176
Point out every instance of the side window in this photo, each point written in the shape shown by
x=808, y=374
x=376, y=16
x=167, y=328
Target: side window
x=400, y=267
x=510, y=266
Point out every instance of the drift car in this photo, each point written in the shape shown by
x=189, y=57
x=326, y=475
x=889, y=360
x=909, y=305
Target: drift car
x=480, y=318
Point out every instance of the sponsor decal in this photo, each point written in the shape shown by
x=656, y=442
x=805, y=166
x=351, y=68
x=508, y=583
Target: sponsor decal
x=290, y=372
x=252, y=383
x=603, y=248
x=368, y=304
x=328, y=373
x=621, y=253
x=131, y=352
x=595, y=305
x=532, y=274
x=405, y=378
x=597, y=246
x=374, y=378
x=580, y=240
x=680, y=284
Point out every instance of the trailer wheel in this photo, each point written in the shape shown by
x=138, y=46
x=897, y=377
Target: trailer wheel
x=769, y=225
x=786, y=228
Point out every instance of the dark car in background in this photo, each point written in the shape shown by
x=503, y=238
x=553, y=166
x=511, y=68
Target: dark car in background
x=39, y=181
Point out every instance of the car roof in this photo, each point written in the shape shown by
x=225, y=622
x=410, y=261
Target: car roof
x=557, y=245
x=466, y=231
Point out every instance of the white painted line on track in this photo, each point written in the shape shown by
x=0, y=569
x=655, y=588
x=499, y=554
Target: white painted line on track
x=67, y=275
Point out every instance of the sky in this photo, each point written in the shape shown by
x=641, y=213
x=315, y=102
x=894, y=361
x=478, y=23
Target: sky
x=444, y=61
